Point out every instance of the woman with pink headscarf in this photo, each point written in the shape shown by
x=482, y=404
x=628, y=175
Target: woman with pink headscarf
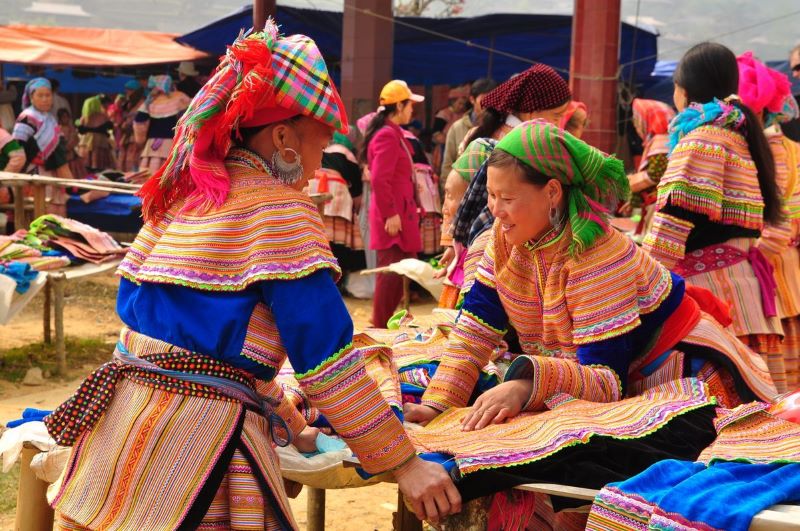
x=768, y=94
x=575, y=118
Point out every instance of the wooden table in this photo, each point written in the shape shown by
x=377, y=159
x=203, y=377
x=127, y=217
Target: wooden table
x=54, y=296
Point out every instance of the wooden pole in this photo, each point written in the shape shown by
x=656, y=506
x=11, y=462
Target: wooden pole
x=19, y=209
x=33, y=513
x=48, y=296
x=405, y=520
x=39, y=200
x=261, y=10
x=316, y=509
x=594, y=63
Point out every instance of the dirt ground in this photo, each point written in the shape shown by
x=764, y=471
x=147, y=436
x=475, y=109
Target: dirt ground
x=90, y=314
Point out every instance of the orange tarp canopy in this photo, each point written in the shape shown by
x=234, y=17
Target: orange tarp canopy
x=46, y=45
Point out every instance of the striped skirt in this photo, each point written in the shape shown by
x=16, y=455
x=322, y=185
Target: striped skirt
x=162, y=460
x=790, y=350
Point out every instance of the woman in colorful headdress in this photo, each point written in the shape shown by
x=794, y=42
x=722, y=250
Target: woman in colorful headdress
x=95, y=146
x=38, y=132
x=651, y=120
x=596, y=316
x=156, y=119
x=716, y=195
x=768, y=94
x=230, y=275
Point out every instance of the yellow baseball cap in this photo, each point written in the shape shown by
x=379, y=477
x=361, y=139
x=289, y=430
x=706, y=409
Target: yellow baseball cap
x=396, y=91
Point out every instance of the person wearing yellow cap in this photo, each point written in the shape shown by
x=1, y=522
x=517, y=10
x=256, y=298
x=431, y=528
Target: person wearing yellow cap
x=178, y=430
x=393, y=218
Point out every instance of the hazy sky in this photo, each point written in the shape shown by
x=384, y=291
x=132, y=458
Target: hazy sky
x=681, y=23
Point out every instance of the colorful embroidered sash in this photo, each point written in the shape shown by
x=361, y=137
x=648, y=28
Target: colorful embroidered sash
x=178, y=372
x=722, y=255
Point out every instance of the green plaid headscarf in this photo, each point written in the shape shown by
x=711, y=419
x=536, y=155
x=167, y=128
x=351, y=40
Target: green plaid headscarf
x=469, y=162
x=590, y=175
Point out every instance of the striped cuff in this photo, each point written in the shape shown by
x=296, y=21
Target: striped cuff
x=552, y=376
x=666, y=242
x=286, y=408
x=470, y=349
x=343, y=391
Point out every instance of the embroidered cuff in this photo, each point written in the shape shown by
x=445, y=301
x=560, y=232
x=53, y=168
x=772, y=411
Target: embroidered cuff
x=555, y=376
x=666, y=242
x=470, y=349
x=343, y=391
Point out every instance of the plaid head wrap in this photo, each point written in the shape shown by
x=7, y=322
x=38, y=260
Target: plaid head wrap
x=469, y=162
x=473, y=211
x=263, y=78
x=536, y=89
x=589, y=175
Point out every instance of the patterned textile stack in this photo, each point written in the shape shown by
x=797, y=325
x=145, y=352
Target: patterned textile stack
x=78, y=239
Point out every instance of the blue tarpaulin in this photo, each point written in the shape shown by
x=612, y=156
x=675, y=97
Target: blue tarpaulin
x=422, y=58
x=661, y=87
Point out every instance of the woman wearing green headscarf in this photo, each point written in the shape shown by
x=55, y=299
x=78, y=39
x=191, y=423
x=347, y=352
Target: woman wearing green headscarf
x=95, y=146
x=596, y=317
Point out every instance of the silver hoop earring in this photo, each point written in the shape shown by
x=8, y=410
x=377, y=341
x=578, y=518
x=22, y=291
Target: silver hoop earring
x=556, y=219
x=285, y=171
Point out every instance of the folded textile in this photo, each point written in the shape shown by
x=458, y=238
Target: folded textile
x=80, y=240
x=29, y=415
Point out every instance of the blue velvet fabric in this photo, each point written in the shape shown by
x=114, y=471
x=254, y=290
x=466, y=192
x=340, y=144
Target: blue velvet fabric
x=309, y=313
x=724, y=496
x=484, y=302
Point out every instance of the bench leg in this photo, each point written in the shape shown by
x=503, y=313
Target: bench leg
x=48, y=293
x=405, y=519
x=316, y=509
x=33, y=512
x=61, y=350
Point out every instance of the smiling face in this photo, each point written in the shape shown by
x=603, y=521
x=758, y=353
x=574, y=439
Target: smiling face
x=522, y=207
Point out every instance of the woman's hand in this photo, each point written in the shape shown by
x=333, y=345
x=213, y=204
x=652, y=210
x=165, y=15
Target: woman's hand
x=306, y=440
x=393, y=225
x=444, y=262
x=429, y=489
x=498, y=404
x=419, y=414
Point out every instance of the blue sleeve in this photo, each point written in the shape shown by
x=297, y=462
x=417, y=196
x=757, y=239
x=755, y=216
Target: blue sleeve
x=616, y=353
x=484, y=303
x=311, y=318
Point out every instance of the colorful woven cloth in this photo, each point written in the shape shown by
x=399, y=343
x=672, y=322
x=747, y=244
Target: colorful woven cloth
x=537, y=88
x=78, y=239
x=265, y=230
x=531, y=437
x=263, y=78
x=590, y=175
x=716, y=112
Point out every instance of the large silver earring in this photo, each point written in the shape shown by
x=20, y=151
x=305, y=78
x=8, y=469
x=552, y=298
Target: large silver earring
x=556, y=219
x=285, y=171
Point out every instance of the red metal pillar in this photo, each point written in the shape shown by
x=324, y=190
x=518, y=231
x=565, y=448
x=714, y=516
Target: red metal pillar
x=261, y=10
x=593, y=67
x=366, y=54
